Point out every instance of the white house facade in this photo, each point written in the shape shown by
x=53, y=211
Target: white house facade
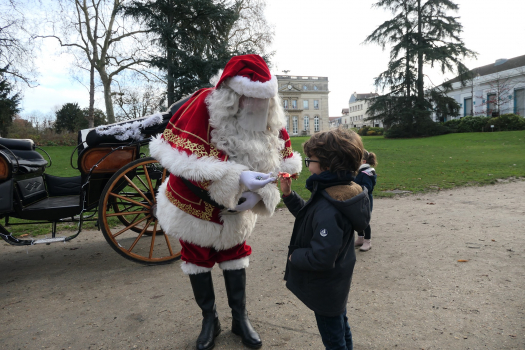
x=496, y=89
x=357, y=107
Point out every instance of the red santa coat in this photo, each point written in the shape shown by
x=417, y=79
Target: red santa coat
x=186, y=151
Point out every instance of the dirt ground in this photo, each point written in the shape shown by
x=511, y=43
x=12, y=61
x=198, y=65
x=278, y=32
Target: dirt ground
x=408, y=292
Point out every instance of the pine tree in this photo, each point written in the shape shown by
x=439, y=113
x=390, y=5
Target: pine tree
x=191, y=36
x=9, y=103
x=421, y=34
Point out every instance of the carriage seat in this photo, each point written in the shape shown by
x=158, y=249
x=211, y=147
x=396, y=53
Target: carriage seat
x=22, y=152
x=18, y=144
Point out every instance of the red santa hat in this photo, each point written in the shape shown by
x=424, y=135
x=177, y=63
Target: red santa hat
x=249, y=75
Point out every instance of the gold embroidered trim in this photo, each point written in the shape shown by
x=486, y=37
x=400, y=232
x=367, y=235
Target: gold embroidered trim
x=203, y=215
x=195, y=148
x=287, y=152
x=205, y=184
x=187, y=200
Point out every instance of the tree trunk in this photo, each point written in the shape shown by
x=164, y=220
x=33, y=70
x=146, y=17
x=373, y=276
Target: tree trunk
x=91, y=112
x=169, y=60
x=420, y=85
x=106, y=83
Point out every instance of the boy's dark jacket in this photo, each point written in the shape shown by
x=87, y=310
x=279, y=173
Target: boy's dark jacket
x=322, y=244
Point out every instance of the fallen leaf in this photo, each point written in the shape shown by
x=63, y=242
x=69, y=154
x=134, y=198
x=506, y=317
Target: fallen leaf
x=462, y=260
x=24, y=235
x=493, y=240
x=431, y=203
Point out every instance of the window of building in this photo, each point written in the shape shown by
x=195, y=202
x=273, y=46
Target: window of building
x=305, y=87
x=285, y=103
x=294, y=104
x=295, y=125
x=305, y=104
x=491, y=104
x=316, y=123
x=316, y=104
x=288, y=124
x=306, y=123
x=519, y=102
x=467, y=106
x=315, y=87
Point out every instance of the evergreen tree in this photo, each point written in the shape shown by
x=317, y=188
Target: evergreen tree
x=71, y=118
x=9, y=101
x=421, y=34
x=191, y=36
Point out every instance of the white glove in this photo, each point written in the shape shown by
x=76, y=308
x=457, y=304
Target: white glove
x=254, y=180
x=251, y=199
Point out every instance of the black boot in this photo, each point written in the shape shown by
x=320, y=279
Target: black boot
x=202, y=285
x=235, y=281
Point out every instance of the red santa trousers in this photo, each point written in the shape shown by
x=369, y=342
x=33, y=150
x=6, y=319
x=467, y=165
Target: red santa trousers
x=207, y=257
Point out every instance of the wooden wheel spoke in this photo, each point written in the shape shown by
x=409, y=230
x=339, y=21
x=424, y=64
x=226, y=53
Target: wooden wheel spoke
x=129, y=200
x=132, y=225
x=163, y=176
x=137, y=189
x=168, y=243
x=142, y=182
x=140, y=235
x=128, y=213
x=153, y=239
x=149, y=183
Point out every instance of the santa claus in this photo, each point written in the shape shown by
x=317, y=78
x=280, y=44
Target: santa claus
x=223, y=149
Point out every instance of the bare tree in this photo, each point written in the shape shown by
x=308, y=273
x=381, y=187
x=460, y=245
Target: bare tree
x=251, y=32
x=102, y=40
x=16, y=42
x=138, y=101
x=499, y=92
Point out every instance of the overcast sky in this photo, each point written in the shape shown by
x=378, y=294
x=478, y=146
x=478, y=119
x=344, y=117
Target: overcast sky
x=322, y=38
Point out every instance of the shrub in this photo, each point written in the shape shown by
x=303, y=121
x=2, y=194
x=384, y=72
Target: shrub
x=371, y=133
x=363, y=131
x=506, y=122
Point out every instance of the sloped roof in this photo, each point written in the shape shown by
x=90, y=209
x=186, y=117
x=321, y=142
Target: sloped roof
x=492, y=68
x=363, y=96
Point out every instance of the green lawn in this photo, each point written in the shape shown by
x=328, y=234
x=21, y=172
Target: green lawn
x=432, y=163
x=415, y=165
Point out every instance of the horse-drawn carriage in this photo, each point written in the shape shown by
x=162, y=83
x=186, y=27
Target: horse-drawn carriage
x=117, y=187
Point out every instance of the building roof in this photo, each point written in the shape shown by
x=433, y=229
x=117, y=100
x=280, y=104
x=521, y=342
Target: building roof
x=362, y=96
x=333, y=118
x=496, y=67
x=345, y=111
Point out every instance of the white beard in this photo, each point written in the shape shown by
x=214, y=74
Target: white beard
x=258, y=150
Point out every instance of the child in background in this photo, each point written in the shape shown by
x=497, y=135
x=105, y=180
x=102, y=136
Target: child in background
x=321, y=257
x=366, y=177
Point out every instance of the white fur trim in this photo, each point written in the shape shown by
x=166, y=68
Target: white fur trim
x=237, y=264
x=244, y=86
x=177, y=223
x=270, y=198
x=292, y=165
x=192, y=269
x=130, y=130
x=225, y=188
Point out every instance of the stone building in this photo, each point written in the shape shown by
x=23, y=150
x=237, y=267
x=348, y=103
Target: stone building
x=357, y=106
x=305, y=100
x=494, y=89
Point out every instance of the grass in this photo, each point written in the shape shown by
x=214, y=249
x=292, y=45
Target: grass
x=447, y=161
x=415, y=165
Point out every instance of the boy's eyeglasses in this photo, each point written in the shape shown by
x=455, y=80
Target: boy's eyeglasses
x=307, y=161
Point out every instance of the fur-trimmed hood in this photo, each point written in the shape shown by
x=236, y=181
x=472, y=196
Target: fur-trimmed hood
x=352, y=201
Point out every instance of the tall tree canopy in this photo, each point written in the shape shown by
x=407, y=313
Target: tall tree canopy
x=71, y=118
x=191, y=40
x=421, y=34
x=9, y=101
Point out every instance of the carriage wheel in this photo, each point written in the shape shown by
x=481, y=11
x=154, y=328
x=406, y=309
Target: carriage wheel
x=127, y=210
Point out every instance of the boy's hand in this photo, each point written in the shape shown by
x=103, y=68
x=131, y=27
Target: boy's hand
x=286, y=185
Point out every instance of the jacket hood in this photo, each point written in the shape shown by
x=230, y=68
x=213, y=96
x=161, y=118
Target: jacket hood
x=352, y=201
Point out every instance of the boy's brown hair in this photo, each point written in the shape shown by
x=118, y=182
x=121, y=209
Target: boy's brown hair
x=338, y=150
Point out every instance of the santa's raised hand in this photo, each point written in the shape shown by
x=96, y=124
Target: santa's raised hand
x=254, y=180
